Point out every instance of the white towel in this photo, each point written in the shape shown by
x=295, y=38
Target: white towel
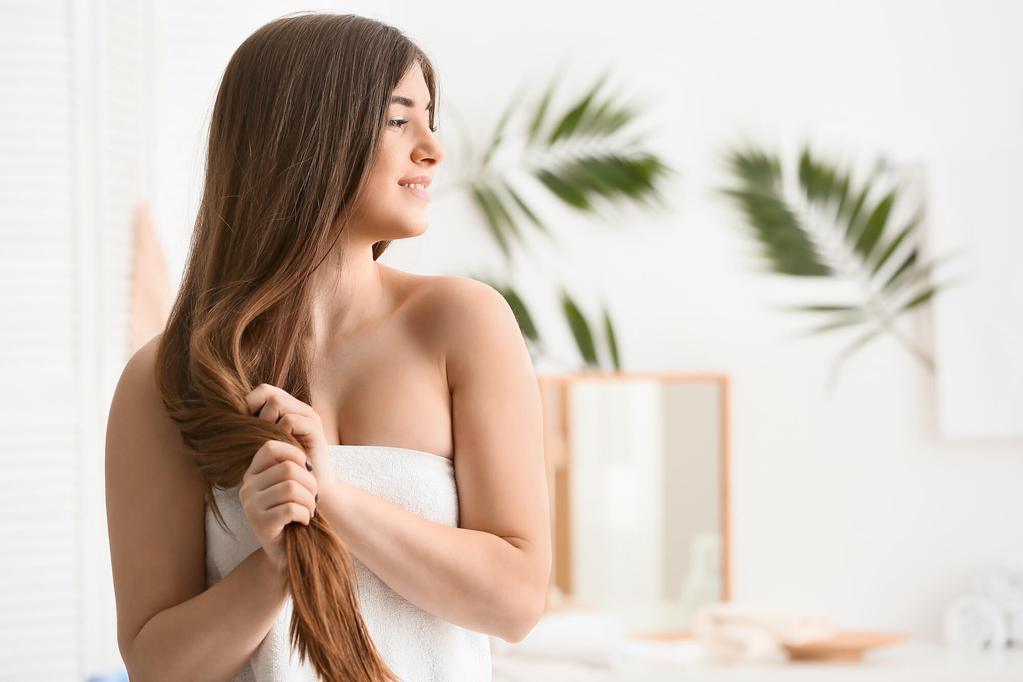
x=1003, y=585
x=416, y=645
x=741, y=633
x=1016, y=628
x=974, y=621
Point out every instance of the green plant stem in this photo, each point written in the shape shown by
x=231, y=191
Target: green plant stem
x=888, y=322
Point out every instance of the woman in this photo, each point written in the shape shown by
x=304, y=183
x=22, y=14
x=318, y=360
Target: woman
x=307, y=404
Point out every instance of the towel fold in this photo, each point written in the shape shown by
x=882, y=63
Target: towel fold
x=740, y=633
x=1003, y=585
x=1016, y=628
x=974, y=621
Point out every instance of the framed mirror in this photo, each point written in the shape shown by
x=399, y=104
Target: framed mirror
x=637, y=469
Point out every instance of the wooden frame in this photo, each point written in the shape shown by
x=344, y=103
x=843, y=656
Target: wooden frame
x=557, y=429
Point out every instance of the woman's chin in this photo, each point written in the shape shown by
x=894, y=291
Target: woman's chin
x=407, y=230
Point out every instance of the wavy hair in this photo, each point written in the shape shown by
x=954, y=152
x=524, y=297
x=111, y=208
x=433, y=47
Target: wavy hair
x=294, y=129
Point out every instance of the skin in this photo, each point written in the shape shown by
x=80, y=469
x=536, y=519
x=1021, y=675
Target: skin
x=432, y=363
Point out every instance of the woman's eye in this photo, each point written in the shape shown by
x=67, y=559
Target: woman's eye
x=399, y=122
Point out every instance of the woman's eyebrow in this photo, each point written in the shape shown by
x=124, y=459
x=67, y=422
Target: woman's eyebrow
x=405, y=101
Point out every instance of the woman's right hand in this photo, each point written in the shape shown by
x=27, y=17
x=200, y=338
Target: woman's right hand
x=277, y=489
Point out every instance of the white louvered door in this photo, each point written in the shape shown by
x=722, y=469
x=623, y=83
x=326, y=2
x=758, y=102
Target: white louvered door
x=72, y=118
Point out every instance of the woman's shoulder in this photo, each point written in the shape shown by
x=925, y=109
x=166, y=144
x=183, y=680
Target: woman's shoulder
x=456, y=314
x=454, y=303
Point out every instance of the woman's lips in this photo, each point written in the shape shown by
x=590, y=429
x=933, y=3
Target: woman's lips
x=421, y=193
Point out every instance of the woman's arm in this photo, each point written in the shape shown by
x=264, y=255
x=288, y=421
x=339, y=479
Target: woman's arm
x=212, y=635
x=169, y=626
x=492, y=572
x=467, y=577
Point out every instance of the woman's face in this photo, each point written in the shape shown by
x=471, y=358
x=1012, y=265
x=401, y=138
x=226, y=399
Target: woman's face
x=408, y=150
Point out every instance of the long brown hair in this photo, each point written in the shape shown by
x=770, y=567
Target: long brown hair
x=293, y=132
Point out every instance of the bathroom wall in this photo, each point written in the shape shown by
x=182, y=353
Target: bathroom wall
x=873, y=503
x=851, y=503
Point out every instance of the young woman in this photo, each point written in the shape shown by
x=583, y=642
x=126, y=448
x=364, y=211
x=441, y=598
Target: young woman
x=324, y=467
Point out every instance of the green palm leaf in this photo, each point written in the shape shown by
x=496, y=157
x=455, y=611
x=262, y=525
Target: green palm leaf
x=498, y=137
x=582, y=113
x=612, y=342
x=608, y=175
x=527, y=211
x=486, y=200
x=574, y=154
x=818, y=307
x=518, y=307
x=784, y=241
x=580, y=329
x=539, y=116
x=886, y=265
x=896, y=242
x=522, y=315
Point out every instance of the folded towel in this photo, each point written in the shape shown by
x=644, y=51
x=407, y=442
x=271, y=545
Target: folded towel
x=975, y=622
x=1003, y=585
x=737, y=632
x=1016, y=628
x=732, y=643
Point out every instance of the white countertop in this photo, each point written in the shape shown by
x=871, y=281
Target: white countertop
x=915, y=661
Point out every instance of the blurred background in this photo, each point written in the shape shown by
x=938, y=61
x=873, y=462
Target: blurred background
x=765, y=256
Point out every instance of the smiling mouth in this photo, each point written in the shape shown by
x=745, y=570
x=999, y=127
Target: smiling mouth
x=421, y=193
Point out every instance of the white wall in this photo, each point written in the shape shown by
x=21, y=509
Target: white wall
x=848, y=504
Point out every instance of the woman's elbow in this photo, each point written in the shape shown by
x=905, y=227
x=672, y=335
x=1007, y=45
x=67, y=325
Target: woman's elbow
x=529, y=612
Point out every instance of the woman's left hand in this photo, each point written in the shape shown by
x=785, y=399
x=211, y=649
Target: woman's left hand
x=300, y=420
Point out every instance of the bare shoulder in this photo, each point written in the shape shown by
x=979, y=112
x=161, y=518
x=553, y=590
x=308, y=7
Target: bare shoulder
x=461, y=313
x=137, y=410
x=135, y=406
x=474, y=325
x=155, y=499
x=448, y=296
x=452, y=294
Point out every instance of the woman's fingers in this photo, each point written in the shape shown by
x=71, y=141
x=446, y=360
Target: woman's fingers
x=285, y=471
x=285, y=492
x=270, y=402
x=277, y=461
x=285, y=513
x=307, y=430
x=274, y=452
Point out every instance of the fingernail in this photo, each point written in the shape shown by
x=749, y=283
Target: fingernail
x=308, y=465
